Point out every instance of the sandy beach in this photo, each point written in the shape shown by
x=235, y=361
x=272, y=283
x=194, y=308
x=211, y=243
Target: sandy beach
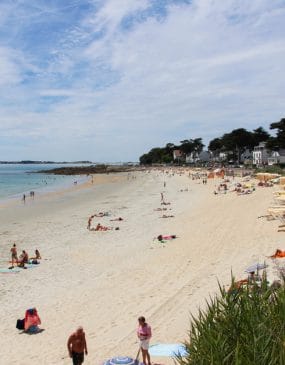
x=105, y=280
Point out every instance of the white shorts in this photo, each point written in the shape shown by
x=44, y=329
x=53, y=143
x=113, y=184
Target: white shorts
x=144, y=344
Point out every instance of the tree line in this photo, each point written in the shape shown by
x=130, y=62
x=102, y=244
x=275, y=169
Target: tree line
x=233, y=143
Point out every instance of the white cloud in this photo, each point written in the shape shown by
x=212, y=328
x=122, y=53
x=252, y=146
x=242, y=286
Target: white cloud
x=204, y=69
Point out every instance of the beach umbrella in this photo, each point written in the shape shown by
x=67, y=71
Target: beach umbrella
x=256, y=267
x=122, y=360
x=168, y=350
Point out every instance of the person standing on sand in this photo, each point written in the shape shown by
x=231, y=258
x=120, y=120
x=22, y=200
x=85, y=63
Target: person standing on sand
x=14, y=255
x=89, y=223
x=77, y=345
x=144, y=334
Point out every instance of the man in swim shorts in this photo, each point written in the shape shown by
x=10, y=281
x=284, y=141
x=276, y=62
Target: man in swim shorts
x=77, y=345
x=14, y=256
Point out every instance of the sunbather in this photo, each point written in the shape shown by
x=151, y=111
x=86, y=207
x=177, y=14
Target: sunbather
x=116, y=219
x=278, y=254
x=32, y=321
x=167, y=216
x=37, y=255
x=170, y=237
x=99, y=227
x=23, y=259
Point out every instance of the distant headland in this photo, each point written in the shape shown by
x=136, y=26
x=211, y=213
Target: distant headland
x=30, y=162
x=91, y=169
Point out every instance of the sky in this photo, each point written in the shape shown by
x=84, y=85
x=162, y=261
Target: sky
x=107, y=80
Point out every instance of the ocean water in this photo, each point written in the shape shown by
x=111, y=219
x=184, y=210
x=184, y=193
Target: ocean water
x=19, y=179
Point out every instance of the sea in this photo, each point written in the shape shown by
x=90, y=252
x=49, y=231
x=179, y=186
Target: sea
x=19, y=179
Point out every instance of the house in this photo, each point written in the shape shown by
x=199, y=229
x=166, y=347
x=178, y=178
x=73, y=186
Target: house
x=276, y=157
x=260, y=154
x=195, y=157
x=246, y=157
x=178, y=155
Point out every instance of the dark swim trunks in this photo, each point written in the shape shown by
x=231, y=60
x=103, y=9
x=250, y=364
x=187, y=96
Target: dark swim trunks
x=77, y=358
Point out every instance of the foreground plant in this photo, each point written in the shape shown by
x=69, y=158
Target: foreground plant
x=239, y=327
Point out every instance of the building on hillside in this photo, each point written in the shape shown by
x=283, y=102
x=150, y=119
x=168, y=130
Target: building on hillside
x=276, y=157
x=195, y=157
x=260, y=154
x=178, y=156
x=246, y=157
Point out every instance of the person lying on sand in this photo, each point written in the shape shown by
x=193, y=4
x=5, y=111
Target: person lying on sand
x=99, y=227
x=164, y=203
x=169, y=237
x=278, y=254
x=167, y=216
x=159, y=209
x=116, y=219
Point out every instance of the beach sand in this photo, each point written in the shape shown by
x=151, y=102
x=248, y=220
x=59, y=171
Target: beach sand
x=105, y=280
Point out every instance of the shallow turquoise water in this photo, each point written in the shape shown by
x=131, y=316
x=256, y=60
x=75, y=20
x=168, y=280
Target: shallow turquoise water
x=19, y=179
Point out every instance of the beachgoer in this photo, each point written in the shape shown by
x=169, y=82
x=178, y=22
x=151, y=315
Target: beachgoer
x=14, y=256
x=116, y=219
x=170, y=237
x=167, y=216
x=99, y=227
x=89, y=222
x=77, y=345
x=38, y=255
x=23, y=259
x=32, y=321
x=24, y=198
x=144, y=334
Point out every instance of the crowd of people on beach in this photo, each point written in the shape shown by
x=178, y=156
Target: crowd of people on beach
x=99, y=226
x=77, y=342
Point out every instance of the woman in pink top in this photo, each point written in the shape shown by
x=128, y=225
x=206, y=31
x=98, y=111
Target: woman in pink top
x=144, y=335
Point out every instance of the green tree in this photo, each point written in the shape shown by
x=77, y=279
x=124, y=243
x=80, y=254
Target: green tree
x=260, y=135
x=274, y=143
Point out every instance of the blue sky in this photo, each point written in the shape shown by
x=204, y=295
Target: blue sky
x=107, y=80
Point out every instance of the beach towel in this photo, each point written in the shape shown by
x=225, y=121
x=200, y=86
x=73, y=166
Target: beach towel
x=9, y=271
x=167, y=350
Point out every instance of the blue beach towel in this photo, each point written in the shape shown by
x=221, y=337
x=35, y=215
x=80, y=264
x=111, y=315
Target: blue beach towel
x=9, y=271
x=167, y=350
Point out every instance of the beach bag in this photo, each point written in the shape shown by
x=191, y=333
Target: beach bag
x=20, y=325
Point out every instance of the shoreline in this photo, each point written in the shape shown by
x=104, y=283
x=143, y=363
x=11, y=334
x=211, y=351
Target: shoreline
x=89, y=277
